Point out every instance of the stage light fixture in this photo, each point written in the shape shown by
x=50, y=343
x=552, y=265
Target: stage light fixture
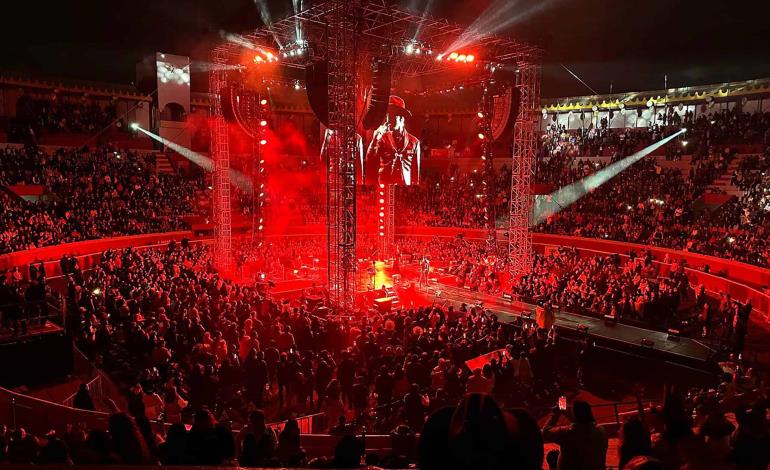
x=262, y=142
x=134, y=126
x=481, y=135
x=480, y=115
x=263, y=102
x=470, y=58
x=453, y=55
x=263, y=123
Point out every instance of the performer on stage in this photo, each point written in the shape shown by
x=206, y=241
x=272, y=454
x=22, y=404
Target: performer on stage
x=372, y=272
x=424, y=270
x=397, y=150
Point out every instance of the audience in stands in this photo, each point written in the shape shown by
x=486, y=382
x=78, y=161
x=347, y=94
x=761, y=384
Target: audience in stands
x=87, y=194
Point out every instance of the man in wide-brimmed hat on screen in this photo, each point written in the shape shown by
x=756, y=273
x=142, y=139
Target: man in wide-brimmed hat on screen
x=397, y=150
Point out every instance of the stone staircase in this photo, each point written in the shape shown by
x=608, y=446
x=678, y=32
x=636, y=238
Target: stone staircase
x=682, y=165
x=722, y=183
x=163, y=164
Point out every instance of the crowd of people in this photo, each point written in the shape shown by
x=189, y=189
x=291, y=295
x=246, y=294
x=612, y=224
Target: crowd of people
x=229, y=348
x=87, y=194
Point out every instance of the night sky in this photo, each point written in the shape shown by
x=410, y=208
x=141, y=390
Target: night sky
x=629, y=43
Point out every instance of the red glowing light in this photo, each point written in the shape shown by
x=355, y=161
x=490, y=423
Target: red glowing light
x=263, y=123
x=453, y=55
x=263, y=102
x=469, y=58
x=481, y=136
x=262, y=142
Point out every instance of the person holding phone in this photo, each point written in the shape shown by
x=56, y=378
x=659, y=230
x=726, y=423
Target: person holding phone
x=583, y=444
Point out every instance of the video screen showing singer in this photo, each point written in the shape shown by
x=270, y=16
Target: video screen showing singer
x=397, y=150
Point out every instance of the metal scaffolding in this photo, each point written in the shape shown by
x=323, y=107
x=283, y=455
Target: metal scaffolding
x=488, y=169
x=387, y=221
x=346, y=34
x=220, y=150
x=341, y=154
x=525, y=137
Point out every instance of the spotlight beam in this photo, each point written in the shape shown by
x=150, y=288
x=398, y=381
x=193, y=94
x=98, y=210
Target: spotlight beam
x=237, y=39
x=239, y=179
x=568, y=195
x=267, y=18
x=498, y=16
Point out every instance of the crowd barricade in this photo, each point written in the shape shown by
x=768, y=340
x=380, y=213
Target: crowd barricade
x=40, y=416
x=742, y=281
x=87, y=252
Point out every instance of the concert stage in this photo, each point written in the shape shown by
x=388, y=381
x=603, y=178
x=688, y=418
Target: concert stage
x=623, y=338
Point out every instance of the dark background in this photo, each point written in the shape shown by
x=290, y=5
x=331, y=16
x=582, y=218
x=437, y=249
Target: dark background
x=629, y=43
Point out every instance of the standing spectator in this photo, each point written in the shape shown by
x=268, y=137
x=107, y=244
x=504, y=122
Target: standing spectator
x=583, y=445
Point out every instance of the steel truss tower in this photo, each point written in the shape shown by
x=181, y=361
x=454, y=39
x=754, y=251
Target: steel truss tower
x=525, y=138
x=386, y=228
x=220, y=150
x=488, y=169
x=341, y=154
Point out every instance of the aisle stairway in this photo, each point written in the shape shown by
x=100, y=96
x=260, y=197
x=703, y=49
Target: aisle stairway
x=723, y=184
x=683, y=165
x=163, y=164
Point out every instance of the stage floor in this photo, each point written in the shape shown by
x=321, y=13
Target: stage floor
x=686, y=350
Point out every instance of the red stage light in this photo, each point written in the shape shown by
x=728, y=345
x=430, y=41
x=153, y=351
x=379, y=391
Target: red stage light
x=453, y=56
x=469, y=58
x=382, y=234
x=481, y=136
x=480, y=115
x=382, y=186
x=262, y=142
x=382, y=201
x=263, y=102
x=263, y=123
x=382, y=214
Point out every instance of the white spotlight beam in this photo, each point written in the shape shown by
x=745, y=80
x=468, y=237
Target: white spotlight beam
x=237, y=39
x=568, y=195
x=498, y=16
x=236, y=177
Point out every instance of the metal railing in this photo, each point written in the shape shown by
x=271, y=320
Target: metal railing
x=95, y=391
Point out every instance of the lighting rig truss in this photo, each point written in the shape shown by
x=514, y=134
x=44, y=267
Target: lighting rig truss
x=220, y=153
x=383, y=27
x=525, y=136
x=358, y=31
x=488, y=170
x=341, y=154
